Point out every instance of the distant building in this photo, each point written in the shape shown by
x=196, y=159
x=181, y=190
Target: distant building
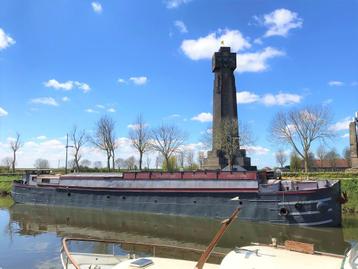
x=329, y=165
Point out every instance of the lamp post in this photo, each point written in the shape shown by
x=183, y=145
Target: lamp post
x=67, y=146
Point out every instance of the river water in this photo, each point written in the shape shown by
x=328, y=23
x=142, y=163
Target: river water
x=30, y=236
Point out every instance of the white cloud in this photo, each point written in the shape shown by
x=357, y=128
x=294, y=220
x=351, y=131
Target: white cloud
x=139, y=80
x=44, y=101
x=203, y=117
x=65, y=99
x=259, y=150
x=327, y=102
x=83, y=86
x=204, y=47
x=41, y=137
x=90, y=110
x=175, y=3
x=246, y=97
x=345, y=135
x=180, y=25
x=3, y=112
x=97, y=7
x=335, y=83
x=133, y=126
x=256, y=61
x=341, y=125
x=5, y=40
x=280, y=22
x=280, y=99
x=258, y=41
x=101, y=106
x=67, y=86
x=121, y=81
x=111, y=110
x=53, y=83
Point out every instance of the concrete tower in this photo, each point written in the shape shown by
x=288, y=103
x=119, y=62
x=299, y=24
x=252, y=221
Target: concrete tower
x=353, y=140
x=224, y=109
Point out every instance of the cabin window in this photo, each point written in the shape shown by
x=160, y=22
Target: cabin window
x=45, y=180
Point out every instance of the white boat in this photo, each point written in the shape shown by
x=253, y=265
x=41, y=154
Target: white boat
x=292, y=255
x=256, y=256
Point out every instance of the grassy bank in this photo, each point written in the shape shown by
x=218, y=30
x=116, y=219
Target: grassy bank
x=6, y=183
x=6, y=202
x=350, y=186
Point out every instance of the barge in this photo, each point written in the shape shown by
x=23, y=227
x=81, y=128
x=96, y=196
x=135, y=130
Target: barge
x=201, y=193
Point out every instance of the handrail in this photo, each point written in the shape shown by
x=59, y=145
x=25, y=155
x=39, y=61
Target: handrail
x=68, y=254
x=220, y=254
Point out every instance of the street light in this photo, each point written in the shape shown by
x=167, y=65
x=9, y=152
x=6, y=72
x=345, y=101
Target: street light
x=67, y=146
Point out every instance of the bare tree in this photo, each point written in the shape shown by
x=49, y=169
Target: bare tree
x=227, y=139
x=131, y=163
x=332, y=156
x=7, y=162
x=167, y=139
x=104, y=138
x=321, y=154
x=78, y=138
x=181, y=158
x=201, y=158
x=158, y=161
x=189, y=158
x=140, y=137
x=120, y=163
x=281, y=157
x=41, y=164
x=85, y=163
x=347, y=156
x=295, y=162
x=97, y=164
x=148, y=161
x=15, y=145
x=246, y=137
x=301, y=128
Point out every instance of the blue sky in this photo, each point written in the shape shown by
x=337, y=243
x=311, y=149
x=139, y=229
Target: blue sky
x=68, y=62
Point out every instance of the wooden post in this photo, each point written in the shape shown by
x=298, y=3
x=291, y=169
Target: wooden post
x=224, y=225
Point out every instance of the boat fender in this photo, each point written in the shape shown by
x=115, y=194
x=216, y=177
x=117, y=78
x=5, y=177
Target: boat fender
x=298, y=206
x=283, y=211
x=343, y=198
x=322, y=207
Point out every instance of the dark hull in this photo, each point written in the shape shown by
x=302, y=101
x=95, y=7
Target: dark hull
x=262, y=207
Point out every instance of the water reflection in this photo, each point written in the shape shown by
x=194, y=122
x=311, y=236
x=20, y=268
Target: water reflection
x=159, y=229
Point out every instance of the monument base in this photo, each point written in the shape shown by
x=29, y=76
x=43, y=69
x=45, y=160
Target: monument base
x=215, y=161
x=354, y=163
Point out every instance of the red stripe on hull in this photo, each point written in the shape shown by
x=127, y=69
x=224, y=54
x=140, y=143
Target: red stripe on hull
x=49, y=186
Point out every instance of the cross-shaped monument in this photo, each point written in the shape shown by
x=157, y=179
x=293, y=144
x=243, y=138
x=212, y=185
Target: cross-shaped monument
x=353, y=139
x=225, y=110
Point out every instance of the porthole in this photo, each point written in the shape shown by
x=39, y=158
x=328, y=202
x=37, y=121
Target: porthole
x=108, y=197
x=155, y=201
x=283, y=211
x=68, y=194
x=194, y=202
x=123, y=197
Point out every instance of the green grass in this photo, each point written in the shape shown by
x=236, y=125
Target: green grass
x=6, y=183
x=6, y=202
x=351, y=187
